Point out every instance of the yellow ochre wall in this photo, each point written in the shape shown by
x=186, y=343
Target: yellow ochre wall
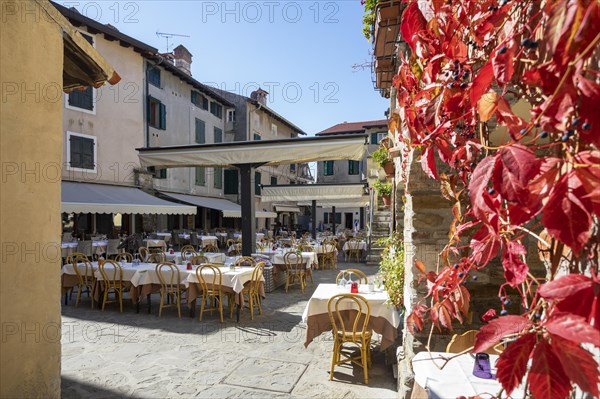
x=31, y=63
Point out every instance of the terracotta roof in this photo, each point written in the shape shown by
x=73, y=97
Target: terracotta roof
x=353, y=127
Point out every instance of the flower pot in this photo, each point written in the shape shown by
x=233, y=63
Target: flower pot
x=390, y=169
x=387, y=200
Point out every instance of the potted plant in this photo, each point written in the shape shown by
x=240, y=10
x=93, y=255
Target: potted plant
x=381, y=156
x=384, y=188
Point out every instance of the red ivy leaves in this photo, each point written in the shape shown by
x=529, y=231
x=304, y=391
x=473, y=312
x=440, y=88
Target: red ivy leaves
x=547, y=379
x=515, y=270
x=573, y=328
x=482, y=82
x=578, y=364
x=512, y=364
x=515, y=167
x=496, y=329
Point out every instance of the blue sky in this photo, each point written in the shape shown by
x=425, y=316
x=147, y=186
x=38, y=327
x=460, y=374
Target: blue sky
x=302, y=52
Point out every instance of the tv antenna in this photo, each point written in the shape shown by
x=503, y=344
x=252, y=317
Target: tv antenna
x=169, y=36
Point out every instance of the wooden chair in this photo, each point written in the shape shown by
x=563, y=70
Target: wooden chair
x=362, y=277
x=252, y=289
x=296, y=270
x=211, y=248
x=307, y=248
x=329, y=256
x=124, y=257
x=113, y=281
x=210, y=279
x=170, y=286
x=353, y=251
x=187, y=252
x=158, y=257
x=235, y=248
x=245, y=261
x=351, y=330
x=143, y=252
x=465, y=341
x=198, y=260
x=85, y=278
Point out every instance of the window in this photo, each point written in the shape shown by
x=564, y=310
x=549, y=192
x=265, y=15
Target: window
x=157, y=113
x=158, y=173
x=257, y=137
x=200, y=176
x=273, y=180
x=199, y=100
x=257, y=183
x=231, y=181
x=218, y=135
x=328, y=218
x=328, y=168
x=273, y=129
x=353, y=167
x=218, y=182
x=216, y=109
x=231, y=115
x=257, y=121
x=377, y=137
x=293, y=167
x=200, y=131
x=81, y=151
x=154, y=75
x=83, y=99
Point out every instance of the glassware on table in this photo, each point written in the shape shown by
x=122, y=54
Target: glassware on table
x=342, y=281
x=482, y=367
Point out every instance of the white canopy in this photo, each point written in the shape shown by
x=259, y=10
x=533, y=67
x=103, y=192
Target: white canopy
x=286, y=208
x=309, y=192
x=229, y=209
x=342, y=203
x=267, y=152
x=100, y=198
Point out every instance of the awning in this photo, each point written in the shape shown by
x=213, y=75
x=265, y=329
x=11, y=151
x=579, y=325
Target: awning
x=342, y=203
x=266, y=152
x=100, y=198
x=287, y=208
x=309, y=192
x=230, y=209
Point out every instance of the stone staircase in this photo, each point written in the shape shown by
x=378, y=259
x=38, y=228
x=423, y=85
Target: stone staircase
x=382, y=218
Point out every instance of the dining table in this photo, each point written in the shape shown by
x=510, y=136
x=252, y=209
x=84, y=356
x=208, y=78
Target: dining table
x=68, y=247
x=384, y=318
x=213, y=257
x=442, y=378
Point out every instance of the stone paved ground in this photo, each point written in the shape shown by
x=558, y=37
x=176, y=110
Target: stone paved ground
x=114, y=354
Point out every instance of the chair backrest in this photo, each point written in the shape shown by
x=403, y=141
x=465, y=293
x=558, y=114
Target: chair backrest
x=329, y=247
x=245, y=261
x=157, y=257
x=111, y=273
x=462, y=342
x=210, y=278
x=293, y=262
x=187, y=252
x=353, y=244
x=358, y=320
x=124, y=257
x=112, y=248
x=143, y=251
x=85, y=247
x=362, y=277
x=75, y=255
x=211, y=247
x=307, y=248
x=87, y=276
x=156, y=250
x=198, y=260
x=257, y=274
x=168, y=275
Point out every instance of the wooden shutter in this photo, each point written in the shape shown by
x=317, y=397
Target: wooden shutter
x=200, y=176
x=163, y=116
x=231, y=181
x=200, y=131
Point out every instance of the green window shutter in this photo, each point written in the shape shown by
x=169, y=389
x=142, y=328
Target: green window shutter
x=200, y=176
x=200, y=131
x=328, y=168
x=326, y=217
x=218, y=135
x=76, y=158
x=338, y=218
x=257, y=180
x=373, y=138
x=273, y=180
x=257, y=137
x=218, y=183
x=231, y=181
x=88, y=153
x=194, y=97
x=353, y=167
x=162, y=174
x=163, y=116
x=204, y=103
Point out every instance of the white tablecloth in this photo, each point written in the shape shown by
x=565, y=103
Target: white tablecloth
x=152, y=243
x=208, y=240
x=361, y=245
x=456, y=378
x=310, y=258
x=377, y=301
x=68, y=247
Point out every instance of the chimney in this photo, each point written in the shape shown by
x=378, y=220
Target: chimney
x=260, y=95
x=183, y=59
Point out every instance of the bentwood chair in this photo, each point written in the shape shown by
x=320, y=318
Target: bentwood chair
x=198, y=260
x=112, y=276
x=252, y=289
x=245, y=261
x=211, y=248
x=211, y=279
x=170, y=286
x=143, y=252
x=362, y=277
x=329, y=256
x=187, y=252
x=85, y=247
x=85, y=277
x=350, y=327
x=112, y=248
x=157, y=257
x=465, y=341
x=296, y=270
x=124, y=257
x=353, y=251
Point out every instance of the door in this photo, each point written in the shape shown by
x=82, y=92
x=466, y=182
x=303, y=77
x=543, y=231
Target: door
x=348, y=220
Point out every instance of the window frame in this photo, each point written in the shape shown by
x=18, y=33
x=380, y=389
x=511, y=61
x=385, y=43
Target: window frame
x=85, y=136
x=196, y=122
x=350, y=168
x=218, y=109
x=274, y=129
x=196, y=169
x=230, y=115
x=215, y=131
x=325, y=168
x=218, y=171
x=162, y=123
x=154, y=68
